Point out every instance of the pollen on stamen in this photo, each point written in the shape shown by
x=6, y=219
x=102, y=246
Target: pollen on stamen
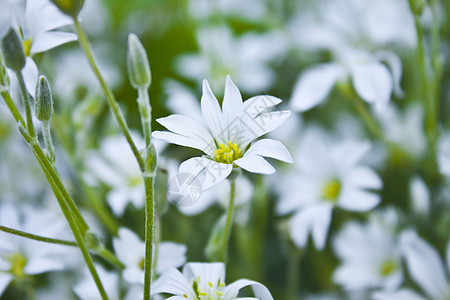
x=227, y=153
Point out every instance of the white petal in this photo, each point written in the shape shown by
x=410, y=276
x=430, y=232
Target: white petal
x=425, y=265
x=173, y=282
x=364, y=177
x=403, y=294
x=208, y=273
x=420, y=196
x=314, y=85
x=189, y=128
x=128, y=248
x=395, y=64
x=170, y=255
x=41, y=16
x=207, y=171
x=117, y=199
x=181, y=140
x=231, y=291
x=355, y=275
x=315, y=219
x=258, y=104
x=5, y=279
x=354, y=199
x=51, y=39
x=232, y=102
x=373, y=83
x=255, y=164
x=270, y=148
x=30, y=75
x=212, y=113
x=41, y=265
x=263, y=124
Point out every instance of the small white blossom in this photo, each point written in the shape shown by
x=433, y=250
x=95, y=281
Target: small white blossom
x=115, y=165
x=327, y=174
x=227, y=135
x=246, y=58
x=444, y=154
x=370, y=256
x=205, y=281
x=130, y=250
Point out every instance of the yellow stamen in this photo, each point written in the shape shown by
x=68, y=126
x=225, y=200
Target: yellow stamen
x=18, y=262
x=226, y=154
x=331, y=190
x=27, y=46
x=387, y=268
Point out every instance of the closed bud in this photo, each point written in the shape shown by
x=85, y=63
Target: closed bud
x=12, y=50
x=69, y=7
x=138, y=65
x=44, y=102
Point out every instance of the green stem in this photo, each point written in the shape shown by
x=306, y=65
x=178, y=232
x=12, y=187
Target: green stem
x=48, y=141
x=368, y=119
x=228, y=222
x=69, y=214
x=293, y=272
x=26, y=102
x=149, y=234
x=145, y=111
x=431, y=117
x=106, y=254
x=12, y=107
x=36, y=237
x=111, y=100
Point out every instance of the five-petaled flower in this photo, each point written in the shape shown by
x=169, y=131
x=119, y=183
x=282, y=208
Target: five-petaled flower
x=226, y=138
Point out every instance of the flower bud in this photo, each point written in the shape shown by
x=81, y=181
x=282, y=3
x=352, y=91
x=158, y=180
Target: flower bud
x=138, y=65
x=12, y=50
x=44, y=102
x=69, y=7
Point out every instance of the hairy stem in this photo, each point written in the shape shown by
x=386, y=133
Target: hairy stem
x=36, y=237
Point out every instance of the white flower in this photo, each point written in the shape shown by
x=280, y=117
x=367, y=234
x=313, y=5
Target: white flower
x=370, y=256
x=115, y=165
x=41, y=18
x=227, y=135
x=354, y=32
x=404, y=128
x=248, y=9
x=87, y=290
x=426, y=269
x=420, y=196
x=21, y=257
x=444, y=154
x=205, y=281
x=327, y=174
x=130, y=250
x=245, y=58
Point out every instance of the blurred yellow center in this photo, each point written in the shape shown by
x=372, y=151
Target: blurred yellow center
x=142, y=264
x=18, y=262
x=134, y=181
x=226, y=154
x=331, y=190
x=27, y=46
x=387, y=268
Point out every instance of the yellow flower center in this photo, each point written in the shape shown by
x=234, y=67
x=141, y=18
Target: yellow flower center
x=18, y=262
x=134, y=181
x=142, y=264
x=331, y=190
x=211, y=292
x=387, y=268
x=27, y=46
x=226, y=154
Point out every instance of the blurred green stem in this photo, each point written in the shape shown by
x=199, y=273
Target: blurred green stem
x=111, y=100
x=369, y=121
x=223, y=256
x=293, y=271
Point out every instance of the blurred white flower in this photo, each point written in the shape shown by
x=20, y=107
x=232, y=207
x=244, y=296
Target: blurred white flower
x=21, y=257
x=354, y=32
x=205, y=280
x=130, y=250
x=228, y=133
x=248, y=9
x=87, y=290
x=426, y=269
x=370, y=256
x=444, y=154
x=37, y=29
x=405, y=128
x=327, y=173
x=11, y=13
x=245, y=58
x=115, y=165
